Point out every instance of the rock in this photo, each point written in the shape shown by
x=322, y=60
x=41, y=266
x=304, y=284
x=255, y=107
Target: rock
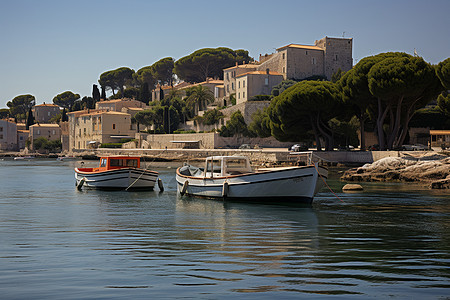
x=352, y=187
x=432, y=169
x=441, y=184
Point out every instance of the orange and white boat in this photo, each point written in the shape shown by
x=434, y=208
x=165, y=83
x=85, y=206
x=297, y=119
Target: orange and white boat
x=116, y=172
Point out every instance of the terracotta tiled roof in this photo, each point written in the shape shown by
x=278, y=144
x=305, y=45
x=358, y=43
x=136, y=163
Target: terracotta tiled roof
x=245, y=66
x=260, y=73
x=103, y=113
x=45, y=104
x=301, y=47
x=45, y=125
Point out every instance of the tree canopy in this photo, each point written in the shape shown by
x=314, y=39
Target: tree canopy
x=443, y=72
x=66, y=99
x=163, y=70
x=304, y=106
x=401, y=83
x=208, y=62
x=236, y=126
x=116, y=79
x=19, y=106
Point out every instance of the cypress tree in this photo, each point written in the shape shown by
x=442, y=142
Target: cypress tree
x=95, y=94
x=64, y=117
x=30, y=119
x=103, y=96
x=144, y=93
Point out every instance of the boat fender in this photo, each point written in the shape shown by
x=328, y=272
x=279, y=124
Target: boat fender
x=160, y=185
x=184, y=188
x=225, y=189
x=80, y=184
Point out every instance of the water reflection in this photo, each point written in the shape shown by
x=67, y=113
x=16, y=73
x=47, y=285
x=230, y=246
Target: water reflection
x=61, y=243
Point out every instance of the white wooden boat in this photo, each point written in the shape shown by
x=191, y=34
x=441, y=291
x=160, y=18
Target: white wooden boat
x=231, y=177
x=117, y=172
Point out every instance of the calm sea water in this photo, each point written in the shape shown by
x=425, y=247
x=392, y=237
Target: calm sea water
x=390, y=241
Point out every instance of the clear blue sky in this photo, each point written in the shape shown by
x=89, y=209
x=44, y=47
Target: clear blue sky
x=48, y=47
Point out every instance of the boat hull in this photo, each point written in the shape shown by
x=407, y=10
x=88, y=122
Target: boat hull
x=297, y=184
x=125, y=178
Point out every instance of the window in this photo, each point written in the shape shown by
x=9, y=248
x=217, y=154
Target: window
x=284, y=69
x=232, y=86
x=1, y=129
x=266, y=81
x=103, y=163
x=131, y=163
x=1, y=136
x=228, y=76
x=54, y=132
x=306, y=52
x=243, y=83
x=283, y=55
x=114, y=126
x=243, y=95
x=313, y=60
x=116, y=163
x=38, y=131
x=335, y=57
x=48, y=114
x=239, y=84
x=239, y=95
x=228, y=88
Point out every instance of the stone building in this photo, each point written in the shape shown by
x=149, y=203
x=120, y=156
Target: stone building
x=22, y=137
x=51, y=132
x=43, y=113
x=255, y=83
x=90, y=128
x=8, y=135
x=325, y=58
x=230, y=74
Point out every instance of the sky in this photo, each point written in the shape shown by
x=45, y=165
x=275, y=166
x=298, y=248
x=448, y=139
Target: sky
x=48, y=47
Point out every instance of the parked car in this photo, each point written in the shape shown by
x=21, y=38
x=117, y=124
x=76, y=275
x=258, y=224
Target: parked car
x=416, y=147
x=298, y=148
x=245, y=146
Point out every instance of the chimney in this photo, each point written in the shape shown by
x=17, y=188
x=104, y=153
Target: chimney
x=236, y=64
x=267, y=71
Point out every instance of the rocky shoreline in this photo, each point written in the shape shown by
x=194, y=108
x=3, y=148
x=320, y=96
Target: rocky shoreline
x=430, y=169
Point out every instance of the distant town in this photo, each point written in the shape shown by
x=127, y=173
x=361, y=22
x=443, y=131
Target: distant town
x=309, y=95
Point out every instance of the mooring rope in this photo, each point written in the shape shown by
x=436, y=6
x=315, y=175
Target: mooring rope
x=324, y=181
x=143, y=172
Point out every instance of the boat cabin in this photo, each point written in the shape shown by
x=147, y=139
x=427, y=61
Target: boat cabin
x=220, y=166
x=118, y=162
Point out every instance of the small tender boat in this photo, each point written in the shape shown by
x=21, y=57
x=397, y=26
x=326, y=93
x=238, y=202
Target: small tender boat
x=117, y=172
x=232, y=177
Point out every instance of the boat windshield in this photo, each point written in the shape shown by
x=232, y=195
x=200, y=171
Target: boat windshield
x=103, y=162
x=213, y=164
x=237, y=163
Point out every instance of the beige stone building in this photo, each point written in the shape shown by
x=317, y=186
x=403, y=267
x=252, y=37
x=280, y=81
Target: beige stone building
x=230, y=74
x=255, y=83
x=51, y=132
x=8, y=135
x=324, y=58
x=43, y=113
x=22, y=137
x=89, y=129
